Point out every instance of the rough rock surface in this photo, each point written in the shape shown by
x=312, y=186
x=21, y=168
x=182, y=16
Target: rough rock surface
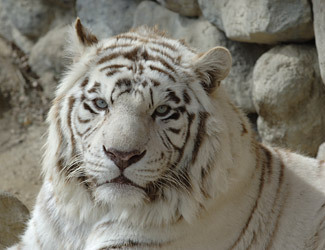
x=47, y=58
x=321, y=152
x=319, y=27
x=290, y=98
x=261, y=21
x=10, y=33
x=183, y=7
x=30, y=17
x=13, y=215
x=204, y=36
x=107, y=17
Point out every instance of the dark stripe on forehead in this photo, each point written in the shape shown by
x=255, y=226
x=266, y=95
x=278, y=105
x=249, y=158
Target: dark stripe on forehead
x=201, y=132
x=112, y=72
x=162, y=61
x=163, y=53
x=113, y=66
x=117, y=45
x=154, y=82
x=108, y=58
x=94, y=88
x=186, y=97
x=163, y=72
x=123, y=81
x=84, y=83
x=146, y=40
x=163, y=44
x=172, y=96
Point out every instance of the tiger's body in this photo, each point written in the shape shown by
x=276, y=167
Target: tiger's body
x=145, y=151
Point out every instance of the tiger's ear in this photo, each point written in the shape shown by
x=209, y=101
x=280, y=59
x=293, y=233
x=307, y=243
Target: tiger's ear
x=212, y=67
x=80, y=40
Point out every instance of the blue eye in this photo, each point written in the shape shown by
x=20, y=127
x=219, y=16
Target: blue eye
x=162, y=110
x=100, y=103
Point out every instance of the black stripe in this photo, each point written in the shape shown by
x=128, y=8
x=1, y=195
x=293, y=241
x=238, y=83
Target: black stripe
x=82, y=120
x=201, y=131
x=174, y=130
x=113, y=66
x=87, y=107
x=154, y=68
x=186, y=97
x=174, y=116
x=151, y=97
x=69, y=120
x=172, y=96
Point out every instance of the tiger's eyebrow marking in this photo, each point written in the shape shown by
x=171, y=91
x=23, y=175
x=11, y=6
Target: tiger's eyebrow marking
x=151, y=97
x=113, y=66
x=172, y=96
x=94, y=88
x=154, y=68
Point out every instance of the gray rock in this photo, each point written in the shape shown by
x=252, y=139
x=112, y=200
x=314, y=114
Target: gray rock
x=61, y=3
x=261, y=21
x=107, y=17
x=290, y=98
x=13, y=216
x=319, y=27
x=10, y=33
x=12, y=82
x=48, y=53
x=321, y=152
x=183, y=7
x=202, y=35
x=30, y=17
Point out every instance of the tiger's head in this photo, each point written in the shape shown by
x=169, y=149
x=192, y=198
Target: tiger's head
x=134, y=118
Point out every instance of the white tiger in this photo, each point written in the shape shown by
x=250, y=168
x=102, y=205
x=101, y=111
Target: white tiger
x=145, y=151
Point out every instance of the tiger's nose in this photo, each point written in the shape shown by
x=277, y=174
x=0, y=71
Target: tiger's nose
x=123, y=159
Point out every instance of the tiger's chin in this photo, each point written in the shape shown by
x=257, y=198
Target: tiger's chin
x=113, y=194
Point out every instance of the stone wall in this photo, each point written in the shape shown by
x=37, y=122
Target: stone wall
x=278, y=68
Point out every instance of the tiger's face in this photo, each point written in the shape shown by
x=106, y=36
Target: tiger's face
x=135, y=118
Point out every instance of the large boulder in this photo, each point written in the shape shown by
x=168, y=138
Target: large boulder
x=13, y=216
x=261, y=21
x=202, y=35
x=30, y=17
x=47, y=59
x=290, y=98
x=23, y=22
x=107, y=17
x=184, y=7
x=11, y=81
x=321, y=152
x=319, y=27
x=10, y=32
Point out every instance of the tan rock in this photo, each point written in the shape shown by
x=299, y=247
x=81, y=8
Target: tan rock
x=290, y=98
x=319, y=27
x=202, y=35
x=321, y=152
x=184, y=7
x=261, y=21
x=13, y=216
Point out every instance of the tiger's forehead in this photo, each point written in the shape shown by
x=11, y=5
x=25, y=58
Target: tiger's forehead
x=148, y=54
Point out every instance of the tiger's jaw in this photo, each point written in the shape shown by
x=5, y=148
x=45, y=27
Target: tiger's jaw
x=119, y=194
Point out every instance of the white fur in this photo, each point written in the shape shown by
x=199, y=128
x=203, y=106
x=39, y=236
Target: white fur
x=289, y=215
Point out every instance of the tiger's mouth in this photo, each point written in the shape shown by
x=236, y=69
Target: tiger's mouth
x=122, y=181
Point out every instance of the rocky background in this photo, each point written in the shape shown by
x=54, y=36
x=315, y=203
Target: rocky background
x=277, y=77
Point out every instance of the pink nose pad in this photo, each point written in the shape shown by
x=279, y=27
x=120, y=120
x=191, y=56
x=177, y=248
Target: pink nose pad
x=123, y=159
